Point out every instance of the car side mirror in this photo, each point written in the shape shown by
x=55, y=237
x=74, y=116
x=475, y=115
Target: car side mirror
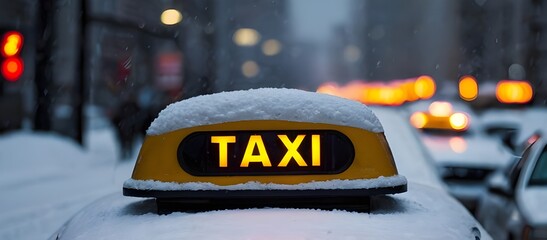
x=500, y=187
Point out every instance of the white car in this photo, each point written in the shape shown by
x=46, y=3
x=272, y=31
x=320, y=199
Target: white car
x=413, y=159
x=514, y=206
x=464, y=158
x=424, y=211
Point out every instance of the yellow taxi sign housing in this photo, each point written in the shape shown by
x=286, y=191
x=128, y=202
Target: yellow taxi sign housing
x=158, y=156
x=209, y=147
x=440, y=115
x=453, y=122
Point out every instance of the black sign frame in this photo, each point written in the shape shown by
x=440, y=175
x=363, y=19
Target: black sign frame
x=195, y=153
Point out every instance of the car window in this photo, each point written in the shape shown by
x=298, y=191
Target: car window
x=539, y=175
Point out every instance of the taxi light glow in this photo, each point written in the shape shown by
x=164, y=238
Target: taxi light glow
x=425, y=87
x=468, y=88
x=440, y=109
x=458, y=121
x=514, y=91
x=11, y=44
x=262, y=157
x=223, y=148
x=393, y=93
x=409, y=89
x=418, y=119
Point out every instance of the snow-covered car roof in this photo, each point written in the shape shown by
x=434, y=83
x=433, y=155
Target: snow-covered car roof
x=421, y=213
x=264, y=104
x=502, y=117
x=413, y=160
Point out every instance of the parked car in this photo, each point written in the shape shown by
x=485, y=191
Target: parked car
x=514, y=205
x=465, y=156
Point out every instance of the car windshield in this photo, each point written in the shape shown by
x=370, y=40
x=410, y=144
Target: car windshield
x=539, y=175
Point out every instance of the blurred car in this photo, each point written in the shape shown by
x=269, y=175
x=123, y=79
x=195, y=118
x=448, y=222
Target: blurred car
x=465, y=157
x=512, y=126
x=240, y=194
x=514, y=206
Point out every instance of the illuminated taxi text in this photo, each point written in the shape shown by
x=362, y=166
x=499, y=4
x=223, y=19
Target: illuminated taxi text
x=256, y=144
x=265, y=152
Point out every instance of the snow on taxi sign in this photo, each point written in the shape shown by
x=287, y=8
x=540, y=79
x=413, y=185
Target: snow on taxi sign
x=269, y=143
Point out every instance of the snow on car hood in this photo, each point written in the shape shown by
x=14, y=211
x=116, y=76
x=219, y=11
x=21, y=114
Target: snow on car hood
x=467, y=151
x=264, y=104
x=421, y=213
x=532, y=202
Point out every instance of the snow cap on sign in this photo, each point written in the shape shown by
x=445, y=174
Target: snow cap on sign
x=264, y=104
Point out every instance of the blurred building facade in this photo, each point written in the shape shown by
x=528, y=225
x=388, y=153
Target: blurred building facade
x=404, y=39
x=128, y=52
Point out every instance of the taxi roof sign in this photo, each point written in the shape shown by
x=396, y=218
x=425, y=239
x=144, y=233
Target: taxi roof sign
x=265, y=151
x=440, y=116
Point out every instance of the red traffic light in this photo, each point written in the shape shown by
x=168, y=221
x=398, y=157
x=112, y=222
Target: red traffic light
x=12, y=42
x=12, y=68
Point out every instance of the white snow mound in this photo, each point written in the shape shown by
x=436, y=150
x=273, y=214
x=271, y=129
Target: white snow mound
x=391, y=181
x=264, y=104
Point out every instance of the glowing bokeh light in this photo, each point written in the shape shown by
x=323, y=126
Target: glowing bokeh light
x=271, y=47
x=457, y=144
x=514, y=91
x=459, y=121
x=12, y=69
x=418, y=119
x=246, y=37
x=468, y=88
x=171, y=17
x=11, y=44
x=440, y=109
x=425, y=87
x=250, y=69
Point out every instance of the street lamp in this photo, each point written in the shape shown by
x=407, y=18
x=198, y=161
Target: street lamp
x=246, y=37
x=171, y=17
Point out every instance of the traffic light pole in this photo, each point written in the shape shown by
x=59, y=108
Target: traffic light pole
x=80, y=84
x=42, y=118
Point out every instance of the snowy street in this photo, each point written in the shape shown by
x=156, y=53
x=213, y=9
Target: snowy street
x=46, y=179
